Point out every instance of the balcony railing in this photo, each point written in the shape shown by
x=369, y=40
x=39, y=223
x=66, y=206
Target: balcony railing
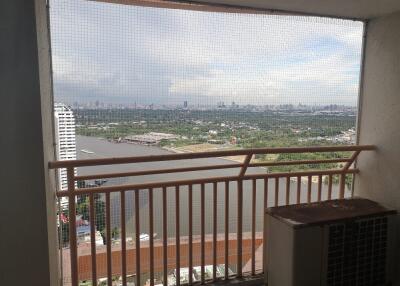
x=250, y=185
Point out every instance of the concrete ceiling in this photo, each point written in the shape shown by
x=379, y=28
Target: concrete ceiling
x=353, y=9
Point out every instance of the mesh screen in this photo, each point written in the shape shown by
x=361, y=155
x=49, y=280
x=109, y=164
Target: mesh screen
x=205, y=80
x=357, y=253
x=145, y=81
x=202, y=76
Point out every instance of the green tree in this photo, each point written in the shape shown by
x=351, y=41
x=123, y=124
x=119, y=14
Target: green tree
x=63, y=229
x=115, y=233
x=64, y=233
x=83, y=209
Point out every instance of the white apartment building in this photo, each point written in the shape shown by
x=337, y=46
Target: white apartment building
x=65, y=140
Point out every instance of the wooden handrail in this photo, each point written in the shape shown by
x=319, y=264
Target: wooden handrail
x=199, y=155
x=140, y=186
x=208, y=167
x=299, y=162
x=158, y=171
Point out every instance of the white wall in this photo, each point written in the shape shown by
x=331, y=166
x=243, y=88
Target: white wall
x=379, y=124
x=27, y=225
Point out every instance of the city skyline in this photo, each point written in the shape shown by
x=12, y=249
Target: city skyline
x=219, y=105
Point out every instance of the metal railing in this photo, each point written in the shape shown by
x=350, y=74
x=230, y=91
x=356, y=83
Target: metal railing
x=343, y=168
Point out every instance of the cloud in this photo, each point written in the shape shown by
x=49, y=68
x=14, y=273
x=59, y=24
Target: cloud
x=109, y=51
x=305, y=82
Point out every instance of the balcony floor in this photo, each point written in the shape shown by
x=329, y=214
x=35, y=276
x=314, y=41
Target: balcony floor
x=257, y=280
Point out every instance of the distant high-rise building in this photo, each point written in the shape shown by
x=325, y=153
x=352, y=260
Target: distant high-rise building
x=185, y=104
x=221, y=104
x=65, y=138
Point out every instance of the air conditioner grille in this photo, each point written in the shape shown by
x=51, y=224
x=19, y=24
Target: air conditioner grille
x=357, y=253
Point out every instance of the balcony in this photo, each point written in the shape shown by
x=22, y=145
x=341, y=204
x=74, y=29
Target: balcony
x=29, y=244
x=216, y=220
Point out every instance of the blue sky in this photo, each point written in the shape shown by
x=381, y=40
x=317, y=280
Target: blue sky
x=125, y=54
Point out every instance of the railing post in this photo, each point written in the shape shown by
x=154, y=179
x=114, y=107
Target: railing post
x=165, y=237
x=276, y=191
x=351, y=160
x=226, y=229
x=202, y=233
x=72, y=226
x=137, y=240
x=151, y=239
x=93, y=238
x=309, y=188
x=108, y=239
x=330, y=182
x=288, y=190
x=245, y=165
x=319, y=188
x=239, y=228
x=342, y=184
x=215, y=190
x=123, y=239
x=177, y=238
x=190, y=209
x=343, y=175
x=264, y=224
x=239, y=238
x=298, y=198
x=253, y=227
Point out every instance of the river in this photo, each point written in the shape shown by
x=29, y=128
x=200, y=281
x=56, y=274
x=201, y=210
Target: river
x=102, y=148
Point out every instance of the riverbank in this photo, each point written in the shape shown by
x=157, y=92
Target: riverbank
x=206, y=147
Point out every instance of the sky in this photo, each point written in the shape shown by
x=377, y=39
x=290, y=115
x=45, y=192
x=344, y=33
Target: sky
x=125, y=54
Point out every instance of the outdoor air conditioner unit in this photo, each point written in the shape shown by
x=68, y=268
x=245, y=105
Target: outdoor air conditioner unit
x=331, y=243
